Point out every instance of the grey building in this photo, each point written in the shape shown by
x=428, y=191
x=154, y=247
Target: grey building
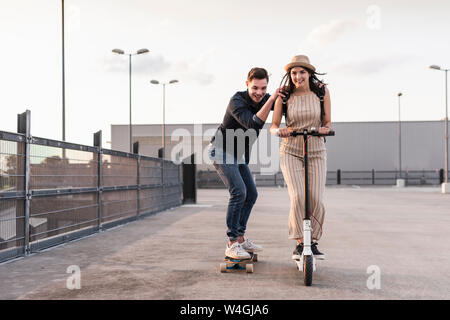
x=357, y=146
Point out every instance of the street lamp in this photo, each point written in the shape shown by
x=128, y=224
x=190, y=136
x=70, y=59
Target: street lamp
x=63, y=79
x=140, y=51
x=445, y=186
x=399, y=137
x=164, y=113
x=163, y=155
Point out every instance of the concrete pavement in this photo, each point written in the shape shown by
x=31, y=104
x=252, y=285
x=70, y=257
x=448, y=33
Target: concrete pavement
x=403, y=233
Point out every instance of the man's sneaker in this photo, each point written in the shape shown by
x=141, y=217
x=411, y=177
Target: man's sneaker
x=235, y=251
x=297, y=254
x=319, y=255
x=249, y=246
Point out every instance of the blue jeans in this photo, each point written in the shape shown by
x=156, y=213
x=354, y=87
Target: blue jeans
x=238, y=178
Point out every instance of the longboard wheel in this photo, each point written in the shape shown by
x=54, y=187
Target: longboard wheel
x=249, y=268
x=223, y=267
x=255, y=257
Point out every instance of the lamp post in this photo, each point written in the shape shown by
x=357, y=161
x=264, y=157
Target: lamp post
x=63, y=80
x=164, y=114
x=445, y=188
x=399, y=137
x=163, y=155
x=400, y=180
x=141, y=51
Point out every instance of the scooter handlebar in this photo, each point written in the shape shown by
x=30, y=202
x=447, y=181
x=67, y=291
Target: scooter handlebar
x=312, y=132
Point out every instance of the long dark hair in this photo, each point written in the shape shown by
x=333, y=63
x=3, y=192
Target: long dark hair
x=288, y=86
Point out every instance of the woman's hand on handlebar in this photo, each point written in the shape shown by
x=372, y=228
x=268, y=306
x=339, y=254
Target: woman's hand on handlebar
x=280, y=132
x=325, y=130
x=284, y=132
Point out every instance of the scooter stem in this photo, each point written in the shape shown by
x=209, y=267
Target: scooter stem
x=307, y=237
x=306, y=221
x=305, y=161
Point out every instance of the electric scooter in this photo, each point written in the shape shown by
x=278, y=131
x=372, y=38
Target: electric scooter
x=307, y=262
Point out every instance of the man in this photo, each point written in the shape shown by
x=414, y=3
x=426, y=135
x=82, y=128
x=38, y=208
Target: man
x=246, y=114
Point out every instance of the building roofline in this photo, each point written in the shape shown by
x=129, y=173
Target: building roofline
x=218, y=123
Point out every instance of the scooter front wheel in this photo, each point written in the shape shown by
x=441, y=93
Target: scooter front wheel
x=308, y=268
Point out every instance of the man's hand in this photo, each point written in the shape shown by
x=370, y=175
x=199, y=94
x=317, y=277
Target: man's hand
x=278, y=93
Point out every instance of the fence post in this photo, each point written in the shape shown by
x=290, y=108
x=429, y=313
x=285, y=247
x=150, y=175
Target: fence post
x=338, y=176
x=373, y=176
x=98, y=144
x=180, y=181
x=406, y=177
x=160, y=155
x=136, y=151
x=24, y=127
x=189, y=180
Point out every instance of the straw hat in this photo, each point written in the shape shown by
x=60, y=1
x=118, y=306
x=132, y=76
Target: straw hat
x=299, y=61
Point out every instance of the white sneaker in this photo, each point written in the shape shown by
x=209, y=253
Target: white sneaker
x=249, y=246
x=236, y=251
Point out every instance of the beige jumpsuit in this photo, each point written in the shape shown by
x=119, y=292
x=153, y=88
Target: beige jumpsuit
x=304, y=112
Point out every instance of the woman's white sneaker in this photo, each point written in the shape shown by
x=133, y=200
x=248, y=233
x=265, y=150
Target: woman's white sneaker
x=236, y=251
x=249, y=246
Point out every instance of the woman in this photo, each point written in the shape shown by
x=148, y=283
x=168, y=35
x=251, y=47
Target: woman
x=303, y=111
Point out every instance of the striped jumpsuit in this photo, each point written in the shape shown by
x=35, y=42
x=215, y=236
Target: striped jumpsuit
x=304, y=112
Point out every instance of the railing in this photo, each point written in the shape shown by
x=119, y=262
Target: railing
x=52, y=192
x=210, y=178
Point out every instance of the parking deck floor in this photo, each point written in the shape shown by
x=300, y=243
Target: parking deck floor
x=400, y=237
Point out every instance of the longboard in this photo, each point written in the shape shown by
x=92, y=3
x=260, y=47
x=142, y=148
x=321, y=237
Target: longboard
x=239, y=264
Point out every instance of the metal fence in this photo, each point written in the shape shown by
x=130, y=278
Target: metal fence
x=210, y=178
x=52, y=192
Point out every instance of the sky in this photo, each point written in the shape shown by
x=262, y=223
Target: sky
x=369, y=50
